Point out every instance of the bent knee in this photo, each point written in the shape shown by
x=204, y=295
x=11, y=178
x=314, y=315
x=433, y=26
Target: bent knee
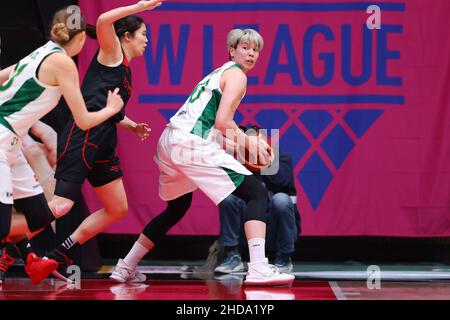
x=60, y=206
x=119, y=212
x=281, y=198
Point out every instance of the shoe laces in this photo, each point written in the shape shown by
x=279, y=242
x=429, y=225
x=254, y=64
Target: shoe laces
x=269, y=269
x=5, y=261
x=126, y=270
x=273, y=268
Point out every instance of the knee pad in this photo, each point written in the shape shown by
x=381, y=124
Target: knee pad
x=156, y=229
x=5, y=219
x=256, y=196
x=68, y=190
x=36, y=211
x=257, y=207
x=62, y=210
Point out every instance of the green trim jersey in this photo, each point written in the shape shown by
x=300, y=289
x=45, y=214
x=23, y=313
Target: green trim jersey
x=198, y=113
x=189, y=155
x=23, y=98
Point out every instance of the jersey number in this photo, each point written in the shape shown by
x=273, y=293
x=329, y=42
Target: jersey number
x=198, y=91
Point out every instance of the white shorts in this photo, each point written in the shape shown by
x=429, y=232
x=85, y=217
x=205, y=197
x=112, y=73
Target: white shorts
x=18, y=180
x=187, y=162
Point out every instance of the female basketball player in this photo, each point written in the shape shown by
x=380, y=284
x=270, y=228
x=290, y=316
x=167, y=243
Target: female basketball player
x=92, y=154
x=29, y=90
x=189, y=157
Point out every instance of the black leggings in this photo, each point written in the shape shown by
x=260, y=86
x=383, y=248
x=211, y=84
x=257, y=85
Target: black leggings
x=36, y=211
x=250, y=190
x=5, y=219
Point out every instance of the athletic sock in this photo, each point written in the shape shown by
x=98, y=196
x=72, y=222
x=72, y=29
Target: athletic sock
x=256, y=250
x=137, y=252
x=68, y=246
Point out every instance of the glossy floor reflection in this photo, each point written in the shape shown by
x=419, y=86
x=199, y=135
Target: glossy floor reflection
x=220, y=289
x=314, y=281
x=103, y=289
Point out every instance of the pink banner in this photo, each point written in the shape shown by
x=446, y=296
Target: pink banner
x=364, y=111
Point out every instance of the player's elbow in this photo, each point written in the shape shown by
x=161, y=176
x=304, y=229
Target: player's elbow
x=221, y=125
x=83, y=125
x=102, y=19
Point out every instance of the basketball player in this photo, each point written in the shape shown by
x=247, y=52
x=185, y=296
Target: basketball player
x=92, y=154
x=189, y=157
x=29, y=90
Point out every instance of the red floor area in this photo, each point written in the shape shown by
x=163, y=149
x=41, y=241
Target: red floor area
x=21, y=289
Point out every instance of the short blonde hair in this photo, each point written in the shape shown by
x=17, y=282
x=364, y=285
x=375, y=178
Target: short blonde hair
x=237, y=35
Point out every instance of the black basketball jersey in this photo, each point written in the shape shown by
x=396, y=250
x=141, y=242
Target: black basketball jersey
x=99, y=79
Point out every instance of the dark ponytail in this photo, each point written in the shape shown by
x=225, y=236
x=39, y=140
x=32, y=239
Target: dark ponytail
x=91, y=31
x=127, y=24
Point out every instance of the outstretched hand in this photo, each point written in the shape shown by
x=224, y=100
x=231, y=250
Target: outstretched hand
x=149, y=4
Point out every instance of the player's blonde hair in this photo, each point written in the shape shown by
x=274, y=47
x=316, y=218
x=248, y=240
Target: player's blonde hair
x=61, y=33
x=237, y=35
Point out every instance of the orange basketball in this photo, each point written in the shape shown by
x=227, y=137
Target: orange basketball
x=254, y=161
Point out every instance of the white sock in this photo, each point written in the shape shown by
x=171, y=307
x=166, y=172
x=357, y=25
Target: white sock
x=256, y=249
x=135, y=255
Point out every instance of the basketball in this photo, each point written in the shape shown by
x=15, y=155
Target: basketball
x=254, y=160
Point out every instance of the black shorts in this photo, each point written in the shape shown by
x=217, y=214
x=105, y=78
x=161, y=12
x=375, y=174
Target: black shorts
x=88, y=154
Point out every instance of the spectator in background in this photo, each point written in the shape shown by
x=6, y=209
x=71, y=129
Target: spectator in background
x=283, y=219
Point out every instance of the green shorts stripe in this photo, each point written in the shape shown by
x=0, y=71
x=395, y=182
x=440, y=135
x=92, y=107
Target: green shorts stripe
x=236, y=177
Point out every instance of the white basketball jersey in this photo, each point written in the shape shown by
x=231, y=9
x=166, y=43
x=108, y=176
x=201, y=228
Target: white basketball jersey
x=198, y=113
x=23, y=98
